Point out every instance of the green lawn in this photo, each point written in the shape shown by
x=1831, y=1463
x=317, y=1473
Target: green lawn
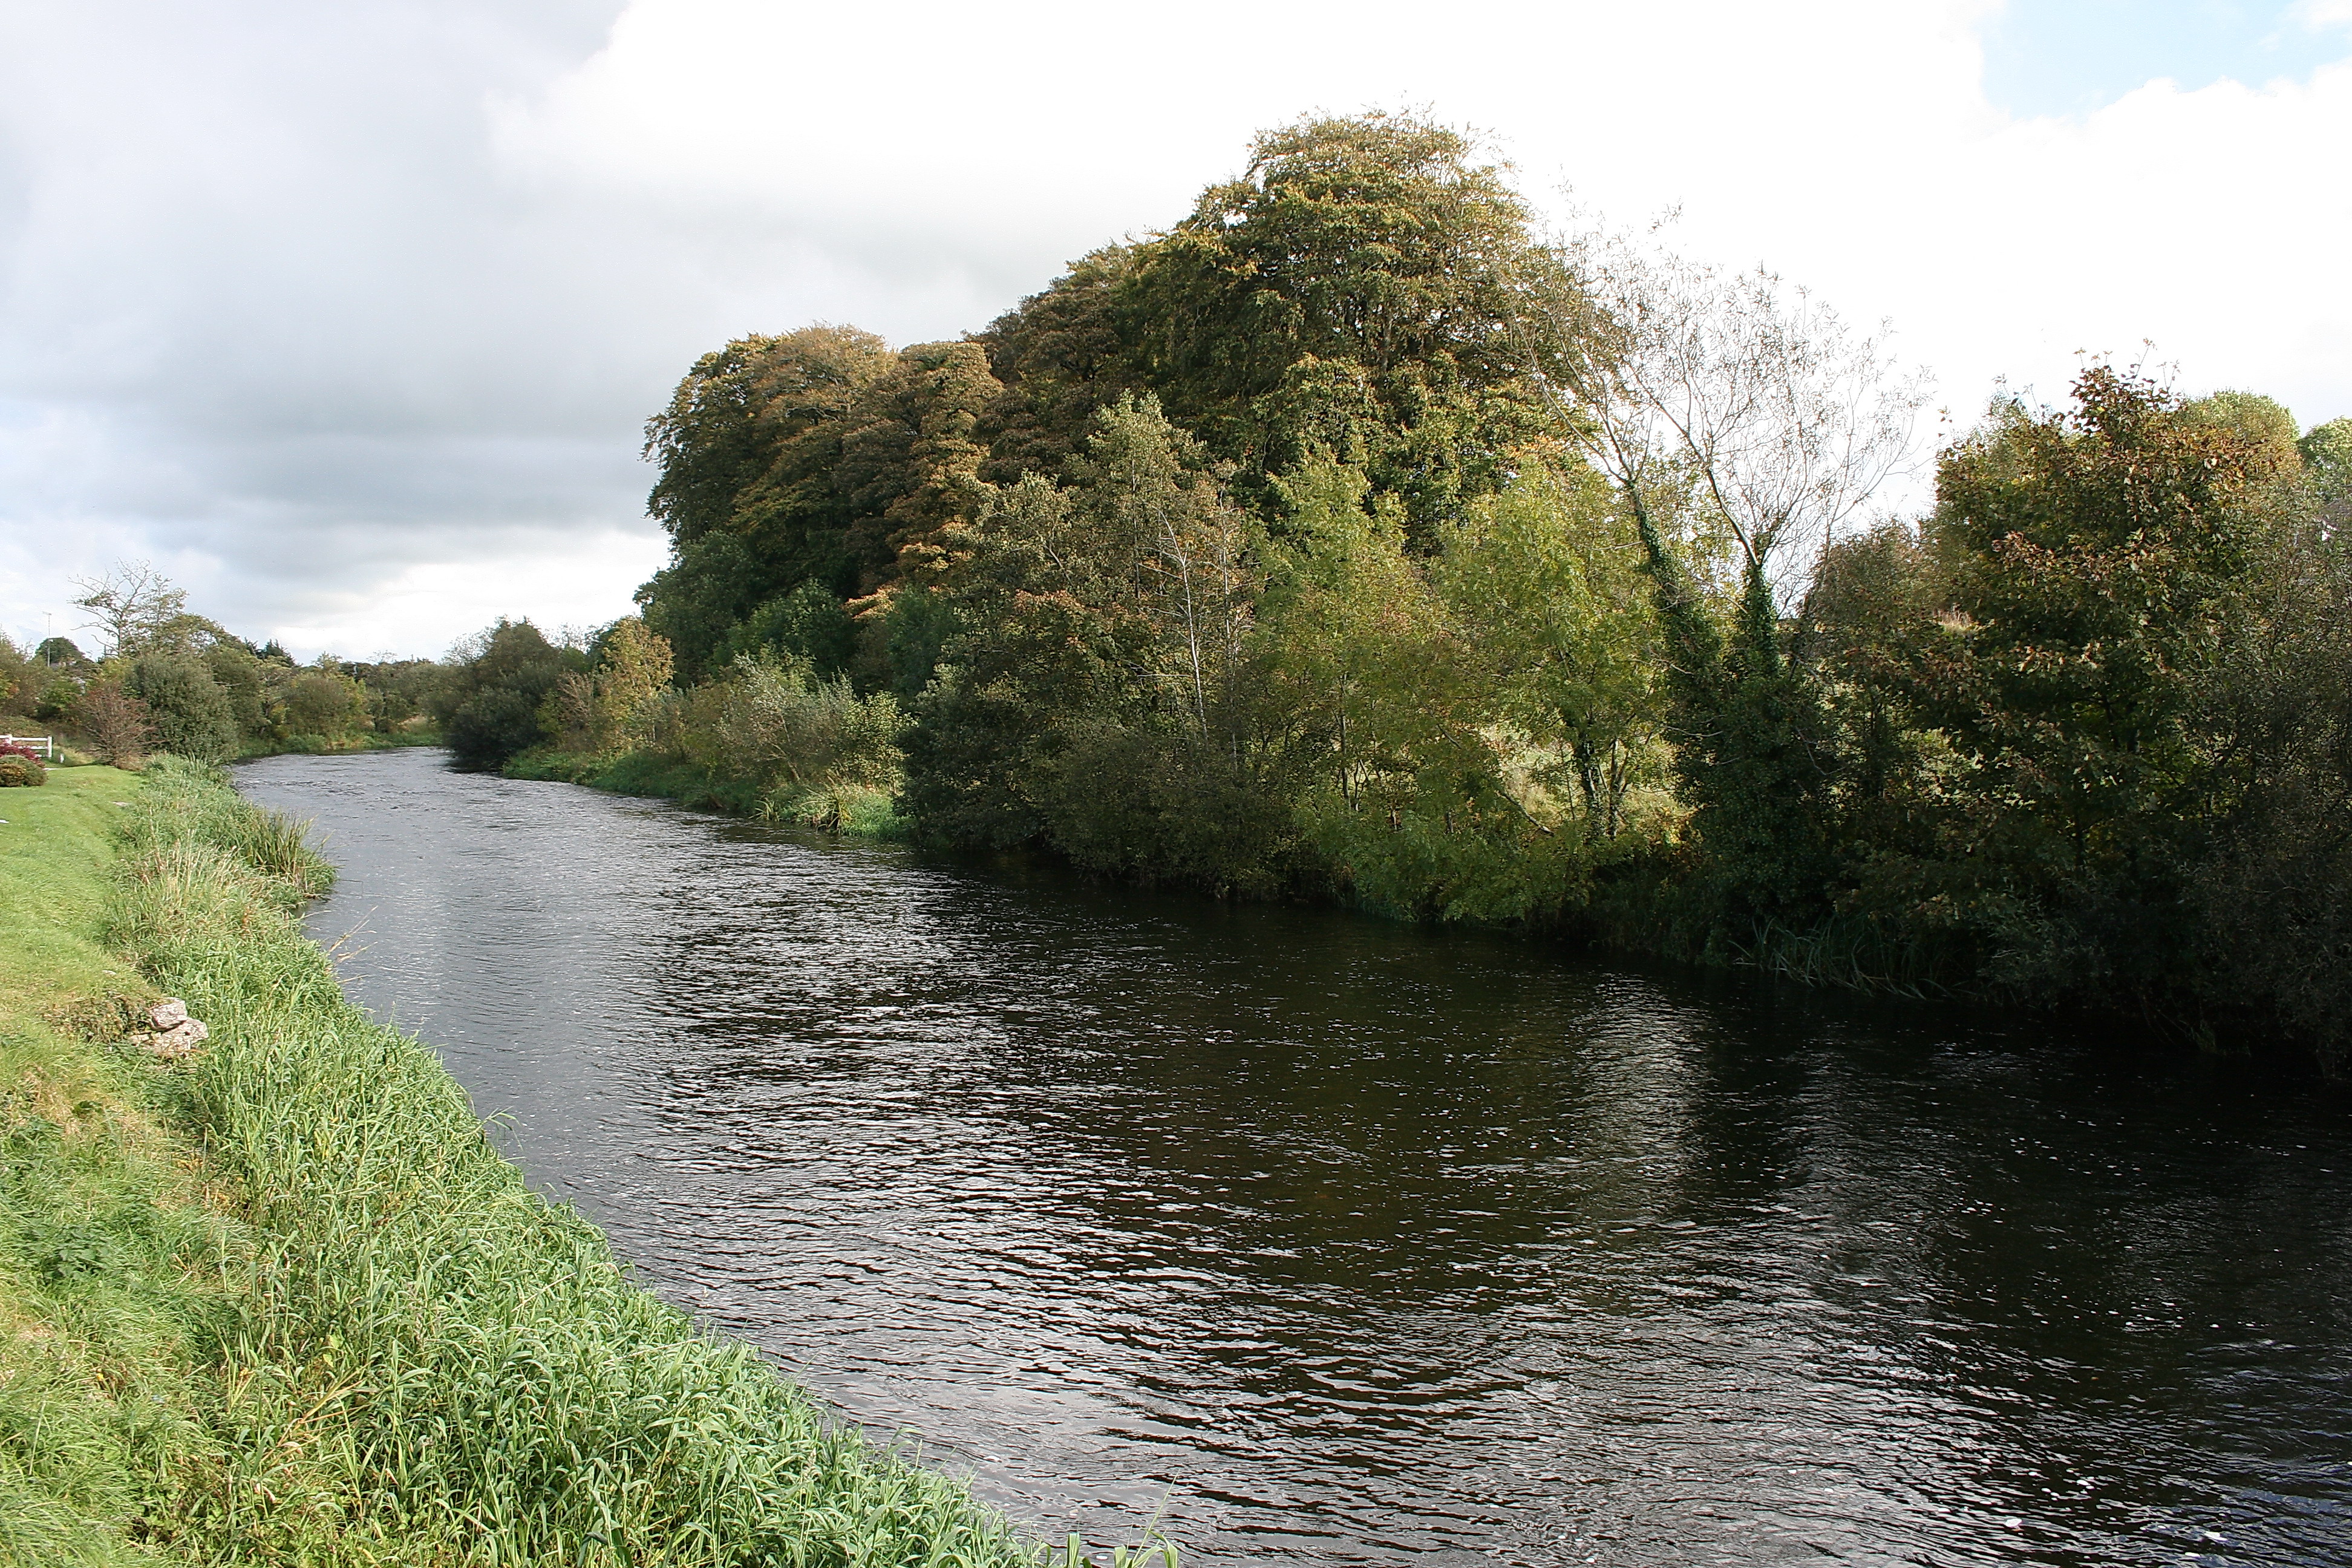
x=55, y=846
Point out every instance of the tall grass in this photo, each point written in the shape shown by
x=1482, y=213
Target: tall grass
x=435, y=1365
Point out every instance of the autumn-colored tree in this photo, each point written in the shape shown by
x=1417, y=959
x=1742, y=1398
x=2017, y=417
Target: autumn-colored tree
x=114, y=722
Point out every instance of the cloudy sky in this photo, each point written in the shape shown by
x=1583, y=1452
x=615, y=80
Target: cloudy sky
x=348, y=316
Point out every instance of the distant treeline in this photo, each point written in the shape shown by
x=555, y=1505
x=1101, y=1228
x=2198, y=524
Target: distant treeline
x=166, y=679
x=1350, y=539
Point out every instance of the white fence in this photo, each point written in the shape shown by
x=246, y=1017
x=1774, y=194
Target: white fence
x=48, y=748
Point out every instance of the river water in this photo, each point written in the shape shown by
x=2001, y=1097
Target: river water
x=1323, y=1240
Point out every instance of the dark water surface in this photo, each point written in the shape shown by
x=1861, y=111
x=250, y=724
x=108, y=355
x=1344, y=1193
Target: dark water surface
x=1336, y=1242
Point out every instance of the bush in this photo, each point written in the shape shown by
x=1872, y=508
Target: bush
x=114, y=723
x=19, y=767
x=191, y=715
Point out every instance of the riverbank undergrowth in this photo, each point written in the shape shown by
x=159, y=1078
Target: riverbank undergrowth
x=864, y=811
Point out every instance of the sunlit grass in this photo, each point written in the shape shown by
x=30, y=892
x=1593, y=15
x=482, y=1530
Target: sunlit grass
x=117, y=1274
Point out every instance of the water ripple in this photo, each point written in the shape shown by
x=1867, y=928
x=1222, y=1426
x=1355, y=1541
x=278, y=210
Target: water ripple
x=1331, y=1242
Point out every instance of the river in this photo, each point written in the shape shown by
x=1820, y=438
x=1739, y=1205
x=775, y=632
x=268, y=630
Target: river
x=1324, y=1240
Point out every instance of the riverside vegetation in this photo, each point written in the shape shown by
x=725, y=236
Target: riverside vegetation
x=168, y=679
x=286, y=1303
x=1350, y=540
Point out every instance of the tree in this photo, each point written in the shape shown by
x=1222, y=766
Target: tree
x=2091, y=554
x=2272, y=885
x=1356, y=628
x=1745, y=413
x=490, y=711
x=114, y=723
x=325, y=703
x=130, y=605
x=816, y=456
x=748, y=448
x=1061, y=354
x=2327, y=451
x=633, y=671
x=1365, y=286
x=191, y=715
x=1094, y=692
x=1548, y=586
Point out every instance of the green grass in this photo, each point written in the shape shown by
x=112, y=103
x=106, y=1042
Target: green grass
x=287, y=1305
x=118, y=1268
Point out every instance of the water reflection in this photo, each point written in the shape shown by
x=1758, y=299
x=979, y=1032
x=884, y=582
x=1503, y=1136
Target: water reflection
x=1344, y=1243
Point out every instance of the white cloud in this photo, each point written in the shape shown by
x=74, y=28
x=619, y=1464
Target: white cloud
x=349, y=315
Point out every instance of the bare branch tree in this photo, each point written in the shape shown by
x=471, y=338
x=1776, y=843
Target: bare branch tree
x=129, y=606
x=1737, y=392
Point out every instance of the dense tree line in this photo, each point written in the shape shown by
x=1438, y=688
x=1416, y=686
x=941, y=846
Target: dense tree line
x=164, y=678
x=1350, y=538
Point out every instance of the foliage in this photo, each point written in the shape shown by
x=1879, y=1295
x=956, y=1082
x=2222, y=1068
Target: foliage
x=1348, y=538
x=491, y=708
x=1546, y=583
x=1100, y=690
x=790, y=730
x=19, y=767
x=325, y=703
x=1363, y=287
x=191, y=714
x=132, y=608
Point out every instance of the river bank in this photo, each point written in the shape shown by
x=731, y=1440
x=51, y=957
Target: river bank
x=867, y=813
x=320, y=746
x=286, y=1303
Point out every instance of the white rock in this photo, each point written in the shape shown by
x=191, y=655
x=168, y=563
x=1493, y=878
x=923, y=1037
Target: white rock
x=168, y=1013
x=181, y=1038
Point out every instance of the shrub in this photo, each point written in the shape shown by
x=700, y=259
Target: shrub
x=18, y=767
x=191, y=714
x=115, y=723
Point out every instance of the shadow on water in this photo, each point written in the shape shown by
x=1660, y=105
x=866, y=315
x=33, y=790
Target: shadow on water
x=1332, y=1241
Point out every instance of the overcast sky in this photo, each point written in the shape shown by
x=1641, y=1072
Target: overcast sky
x=348, y=316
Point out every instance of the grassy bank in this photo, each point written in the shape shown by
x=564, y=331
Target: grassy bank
x=121, y=1264
x=865, y=812
x=286, y=1303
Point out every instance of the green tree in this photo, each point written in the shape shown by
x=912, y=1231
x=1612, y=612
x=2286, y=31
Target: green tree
x=1095, y=694
x=2327, y=451
x=2273, y=883
x=1366, y=286
x=817, y=456
x=325, y=703
x=1547, y=584
x=1060, y=354
x=491, y=709
x=129, y=606
x=192, y=716
x=2091, y=554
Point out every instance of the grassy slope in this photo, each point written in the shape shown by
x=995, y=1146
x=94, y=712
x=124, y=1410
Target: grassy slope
x=348, y=1332
x=117, y=1267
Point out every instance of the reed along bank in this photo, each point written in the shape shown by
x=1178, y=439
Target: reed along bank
x=284, y=1302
